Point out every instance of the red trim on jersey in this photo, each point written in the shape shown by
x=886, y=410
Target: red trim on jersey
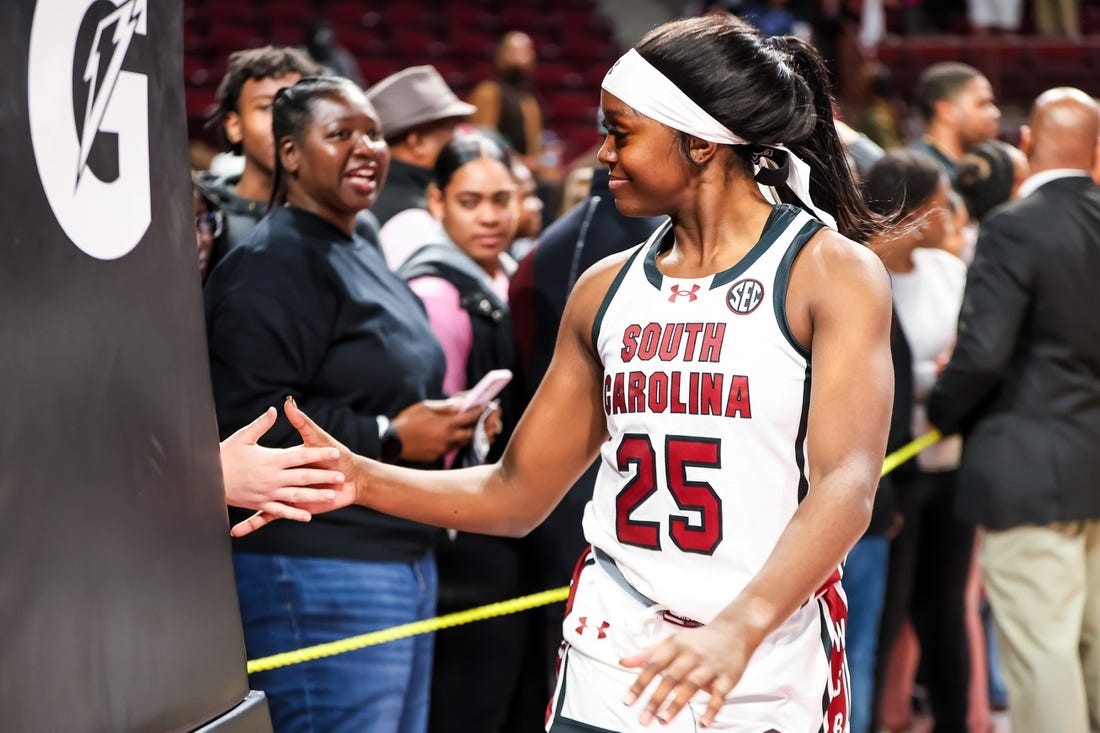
x=829, y=585
x=562, y=650
x=837, y=702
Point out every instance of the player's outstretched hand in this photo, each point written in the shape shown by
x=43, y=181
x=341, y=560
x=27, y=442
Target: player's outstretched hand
x=343, y=461
x=710, y=658
x=279, y=482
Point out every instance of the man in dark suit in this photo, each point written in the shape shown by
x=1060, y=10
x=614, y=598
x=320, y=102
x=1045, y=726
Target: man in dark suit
x=1023, y=384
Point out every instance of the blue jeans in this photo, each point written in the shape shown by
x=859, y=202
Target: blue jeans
x=865, y=587
x=998, y=695
x=292, y=602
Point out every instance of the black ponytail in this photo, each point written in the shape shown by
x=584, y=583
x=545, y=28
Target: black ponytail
x=769, y=92
x=832, y=185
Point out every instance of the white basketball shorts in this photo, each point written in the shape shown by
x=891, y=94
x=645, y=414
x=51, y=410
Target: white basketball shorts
x=795, y=682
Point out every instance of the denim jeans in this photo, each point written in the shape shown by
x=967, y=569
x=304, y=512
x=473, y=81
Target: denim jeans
x=998, y=695
x=865, y=587
x=292, y=602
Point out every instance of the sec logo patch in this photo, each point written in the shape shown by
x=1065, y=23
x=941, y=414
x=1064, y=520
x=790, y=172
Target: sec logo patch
x=744, y=296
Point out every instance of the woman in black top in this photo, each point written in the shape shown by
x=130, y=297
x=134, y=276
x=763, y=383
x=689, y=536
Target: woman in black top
x=308, y=308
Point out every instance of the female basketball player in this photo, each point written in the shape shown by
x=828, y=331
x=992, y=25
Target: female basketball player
x=733, y=376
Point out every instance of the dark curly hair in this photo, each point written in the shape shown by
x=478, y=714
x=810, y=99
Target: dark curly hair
x=269, y=62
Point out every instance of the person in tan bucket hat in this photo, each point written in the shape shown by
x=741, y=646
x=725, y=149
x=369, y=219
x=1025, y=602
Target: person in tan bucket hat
x=419, y=114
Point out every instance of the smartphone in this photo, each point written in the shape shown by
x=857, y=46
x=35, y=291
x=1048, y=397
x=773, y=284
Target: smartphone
x=486, y=389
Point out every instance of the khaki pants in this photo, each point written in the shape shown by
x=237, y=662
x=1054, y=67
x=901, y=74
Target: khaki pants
x=1044, y=586
x=1057, y=17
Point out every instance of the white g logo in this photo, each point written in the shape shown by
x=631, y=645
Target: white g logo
x=104, y=219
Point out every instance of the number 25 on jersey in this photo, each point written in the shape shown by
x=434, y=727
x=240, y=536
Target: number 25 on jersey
x=681, y=452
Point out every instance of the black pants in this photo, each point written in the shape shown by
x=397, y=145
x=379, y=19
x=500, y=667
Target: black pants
x=550, y=555
x=929, y=566
x=476, y=666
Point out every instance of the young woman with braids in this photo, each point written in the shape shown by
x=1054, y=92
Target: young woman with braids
x=733, y=376
x=308, y=308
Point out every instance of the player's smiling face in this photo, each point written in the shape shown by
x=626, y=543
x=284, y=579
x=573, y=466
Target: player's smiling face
x=649, y=176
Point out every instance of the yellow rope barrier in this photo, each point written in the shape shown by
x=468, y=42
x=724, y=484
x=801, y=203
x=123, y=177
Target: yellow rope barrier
x=907, y=451
x=400, y=632
x=503, y=608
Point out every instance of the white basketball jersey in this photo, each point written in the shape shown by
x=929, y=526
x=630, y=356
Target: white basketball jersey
x=706, y=395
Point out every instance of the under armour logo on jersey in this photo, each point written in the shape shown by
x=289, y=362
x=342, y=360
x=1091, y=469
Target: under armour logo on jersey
x=601, y=630
x=744, y=295
x=677, y=292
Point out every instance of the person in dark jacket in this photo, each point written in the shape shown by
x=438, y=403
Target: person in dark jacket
x=308, y=309
x=419, y=113
x=1023, y=384
x=243, y=116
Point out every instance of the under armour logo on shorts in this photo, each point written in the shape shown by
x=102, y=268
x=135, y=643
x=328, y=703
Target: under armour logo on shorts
x=601, y=630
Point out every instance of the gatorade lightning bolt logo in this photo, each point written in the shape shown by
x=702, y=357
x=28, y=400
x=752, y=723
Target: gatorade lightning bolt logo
x=88, y=105
x=124, y=21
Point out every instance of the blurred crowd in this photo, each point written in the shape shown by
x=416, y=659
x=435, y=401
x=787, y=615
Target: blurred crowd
x=375, y=247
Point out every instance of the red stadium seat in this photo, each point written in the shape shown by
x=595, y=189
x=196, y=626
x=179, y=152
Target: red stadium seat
x=585, y=22
x=469, y=19
x=374, y=70
x=234, y=12
x=573, y=107
x=934, y=49
x=287, y=34
x=282, y=13
x=200, y=102
x=364, y=42
x=195, y=40
x=228, y=38
x=471, y=45
x=411, y=15
x=573, y=44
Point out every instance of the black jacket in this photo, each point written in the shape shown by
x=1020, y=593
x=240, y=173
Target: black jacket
x=303, y=309
x=242, y=215
x=1024, y=380
x=406, y=187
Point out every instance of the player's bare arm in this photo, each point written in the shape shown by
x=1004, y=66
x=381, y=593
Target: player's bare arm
x=557, y=438
x=838, y=305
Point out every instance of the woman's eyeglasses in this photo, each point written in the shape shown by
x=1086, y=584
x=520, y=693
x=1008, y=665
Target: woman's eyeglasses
x=210, y=223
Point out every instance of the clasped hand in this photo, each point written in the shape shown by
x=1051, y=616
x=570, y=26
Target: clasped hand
x=277, y=482
x=324, y=468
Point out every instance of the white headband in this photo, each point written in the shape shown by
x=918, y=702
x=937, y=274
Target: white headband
x=637, y=83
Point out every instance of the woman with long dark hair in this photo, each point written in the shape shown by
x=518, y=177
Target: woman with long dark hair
x=733, y=376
